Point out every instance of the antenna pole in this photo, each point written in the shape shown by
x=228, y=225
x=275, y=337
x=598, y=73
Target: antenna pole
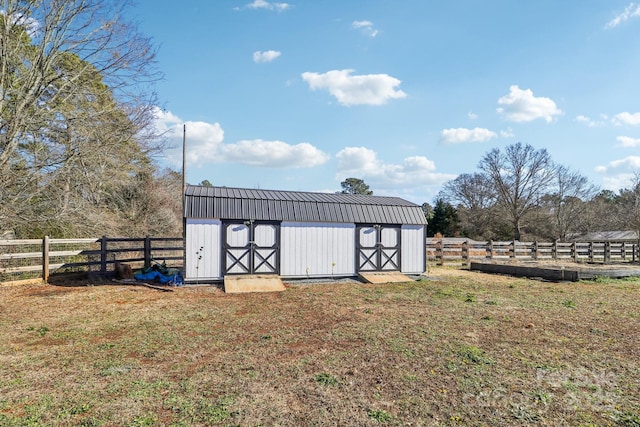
x=184, y=159
x=184, y=200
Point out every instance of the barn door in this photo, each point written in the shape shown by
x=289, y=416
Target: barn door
x=378, y=247
x=251, y=248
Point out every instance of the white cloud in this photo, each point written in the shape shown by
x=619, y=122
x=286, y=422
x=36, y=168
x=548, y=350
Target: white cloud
x=586, y=120
x=357, y=159
x=460, y=135
x=266, y=56
x=618, y=174
x=589, y=122
x=205, y=145
x=262, y=4
x=366, y=27
x=472, y=115
x=633, y=10
x=370, y=89
x=165, y=120
x=625, y=118
x=276, y=154
x=521, y=106
x=617, y=182
x=630, y=163
x=628, y=142
x=413, y=172
x=507, y=133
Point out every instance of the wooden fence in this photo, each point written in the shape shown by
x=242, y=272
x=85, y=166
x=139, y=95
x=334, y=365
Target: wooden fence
x=38, y=258
x=447, y=251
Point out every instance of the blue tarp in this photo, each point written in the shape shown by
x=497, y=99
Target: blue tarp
x=173, y=279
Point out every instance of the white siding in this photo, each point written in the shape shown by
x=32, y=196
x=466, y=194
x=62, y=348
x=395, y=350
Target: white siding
x=203, y=249
x=413, y=249
x=307, y=249
x=317, y=249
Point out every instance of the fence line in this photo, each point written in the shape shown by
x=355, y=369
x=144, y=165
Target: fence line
x=445, y=251
x=37, y=258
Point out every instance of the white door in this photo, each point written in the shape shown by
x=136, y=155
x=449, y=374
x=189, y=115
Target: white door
x=378, y=247
x=251, y=248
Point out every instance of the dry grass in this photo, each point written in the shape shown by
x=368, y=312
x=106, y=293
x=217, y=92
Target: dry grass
x=458, y=349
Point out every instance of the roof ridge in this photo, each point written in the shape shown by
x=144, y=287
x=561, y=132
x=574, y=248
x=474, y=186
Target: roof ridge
x=347, y=198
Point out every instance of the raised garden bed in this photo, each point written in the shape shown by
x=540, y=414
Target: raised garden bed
x=558, y=272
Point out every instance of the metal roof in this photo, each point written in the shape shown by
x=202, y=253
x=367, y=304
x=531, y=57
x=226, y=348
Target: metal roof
x=604, y=236
x=271, y=205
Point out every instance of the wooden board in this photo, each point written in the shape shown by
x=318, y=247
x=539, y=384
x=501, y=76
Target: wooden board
x=554, y=273
x=253, y=283
x=384, y=277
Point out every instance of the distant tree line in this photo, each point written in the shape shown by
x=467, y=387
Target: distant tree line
x=520, y=193
x=76, y=124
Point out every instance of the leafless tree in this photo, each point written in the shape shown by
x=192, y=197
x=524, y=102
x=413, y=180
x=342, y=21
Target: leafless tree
x=630, y=203
x=521, y=175
x=568, y=201
x=474, y=197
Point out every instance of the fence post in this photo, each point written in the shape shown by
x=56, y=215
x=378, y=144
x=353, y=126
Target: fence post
x=103, y=255
x=45, y=259
x=512, y=250
x=590, y=251
x=535, y=250
x=607, y=252
x=147, y=252
x=554, y=249
x=490, y=249
x=466, y=259
x=623, y=251
x=574, y=251
x=439, y=255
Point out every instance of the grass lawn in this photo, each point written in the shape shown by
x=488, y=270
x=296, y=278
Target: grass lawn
x=460, y=348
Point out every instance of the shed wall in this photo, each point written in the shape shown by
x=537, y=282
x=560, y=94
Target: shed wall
x=203, y=240
x=307, y=249
x=317, y=249
x=413, y=246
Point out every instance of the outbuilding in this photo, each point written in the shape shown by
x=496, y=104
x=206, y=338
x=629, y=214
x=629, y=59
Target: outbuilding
x=293, y=234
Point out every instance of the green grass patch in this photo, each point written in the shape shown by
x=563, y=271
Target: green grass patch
x=325, y=379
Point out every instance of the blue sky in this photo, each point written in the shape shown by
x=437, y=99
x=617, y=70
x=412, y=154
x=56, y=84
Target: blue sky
x=404, y=94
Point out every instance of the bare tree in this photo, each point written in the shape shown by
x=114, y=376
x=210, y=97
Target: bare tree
x=521, y=175
x=474, y=197
x=630, y=205
x=603, y=213
x=568, y=202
